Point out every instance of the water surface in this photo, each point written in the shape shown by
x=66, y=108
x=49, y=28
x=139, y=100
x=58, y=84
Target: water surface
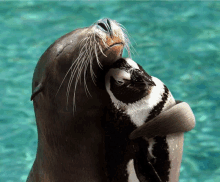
x=178, y=42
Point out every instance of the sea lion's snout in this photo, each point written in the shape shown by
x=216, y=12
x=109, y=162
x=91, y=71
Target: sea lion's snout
x=105, y=25
x=111, y=40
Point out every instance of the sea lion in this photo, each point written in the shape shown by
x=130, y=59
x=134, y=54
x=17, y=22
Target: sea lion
x=69, y=103
x=136, y=98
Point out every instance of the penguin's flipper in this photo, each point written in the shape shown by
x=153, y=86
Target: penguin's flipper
x=179, y=118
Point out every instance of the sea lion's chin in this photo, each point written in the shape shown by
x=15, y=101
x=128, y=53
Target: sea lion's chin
x=112, y=54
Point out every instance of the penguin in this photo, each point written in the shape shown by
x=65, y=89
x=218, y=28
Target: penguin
x=135, y=98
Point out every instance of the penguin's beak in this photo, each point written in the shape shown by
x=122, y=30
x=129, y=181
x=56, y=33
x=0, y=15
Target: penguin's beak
x=140, y=79
x=150, y=82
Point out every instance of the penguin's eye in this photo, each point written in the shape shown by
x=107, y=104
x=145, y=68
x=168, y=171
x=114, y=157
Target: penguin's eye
x=119, y=82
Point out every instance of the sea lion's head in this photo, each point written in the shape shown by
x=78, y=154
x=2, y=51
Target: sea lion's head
x=80, y=55
x=126, y=83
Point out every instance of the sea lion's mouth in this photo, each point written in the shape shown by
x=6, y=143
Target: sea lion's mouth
x=111, y=53
x=113, y=45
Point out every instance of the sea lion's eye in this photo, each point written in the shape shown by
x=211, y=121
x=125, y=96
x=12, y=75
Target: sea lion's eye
x=119, y=82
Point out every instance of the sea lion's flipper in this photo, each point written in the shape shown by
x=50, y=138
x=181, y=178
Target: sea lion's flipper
x=179, y=118
x=37, y=90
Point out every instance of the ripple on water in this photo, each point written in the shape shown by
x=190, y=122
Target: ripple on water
x=177, y=42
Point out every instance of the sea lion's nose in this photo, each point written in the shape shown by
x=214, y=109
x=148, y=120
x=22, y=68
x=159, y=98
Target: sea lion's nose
x=105, y=25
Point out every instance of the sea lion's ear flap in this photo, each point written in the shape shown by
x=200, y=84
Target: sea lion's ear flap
x=37, y=90
x=179, y=118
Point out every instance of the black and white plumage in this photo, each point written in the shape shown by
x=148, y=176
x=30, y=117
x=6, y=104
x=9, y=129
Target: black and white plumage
x=136, y=98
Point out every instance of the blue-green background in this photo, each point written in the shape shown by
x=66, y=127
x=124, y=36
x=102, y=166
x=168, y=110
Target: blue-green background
x=178, y=42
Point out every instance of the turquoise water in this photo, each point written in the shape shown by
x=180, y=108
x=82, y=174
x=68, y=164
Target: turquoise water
x=178, y=42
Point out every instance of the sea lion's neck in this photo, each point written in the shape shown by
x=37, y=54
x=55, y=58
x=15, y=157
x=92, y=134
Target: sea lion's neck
x=67, y=140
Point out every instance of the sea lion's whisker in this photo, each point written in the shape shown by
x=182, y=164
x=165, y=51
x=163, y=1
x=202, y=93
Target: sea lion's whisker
x=132, y=52
x=100, y=48
x=86, y=63
x=97, y=59
x=78, y=77
x=96, y=54
x=103, y=41
x=126, y=37
x=122, y=27
x=85, y=85
x=127, y=47
x=80, y=54
x=128, y=44
x=86, y=38
x=88, y=51
x=69, y=71
x=106, y=46
x=128, y=50
x=101, y=37
x=65, y=77
x=93, y=76
x=80, y=69
x=127, y=40
x=124, y=30
x=76, y=81
x=73, y=72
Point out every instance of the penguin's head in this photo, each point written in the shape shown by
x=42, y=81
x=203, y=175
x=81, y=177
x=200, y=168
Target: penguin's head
x=126, y=82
